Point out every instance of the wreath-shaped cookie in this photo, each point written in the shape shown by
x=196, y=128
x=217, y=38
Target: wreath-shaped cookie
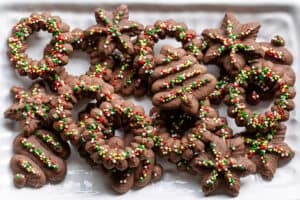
x=269, y=120
x=144, y=60
x=17, y=45
x=179, y=134
x=133, y=156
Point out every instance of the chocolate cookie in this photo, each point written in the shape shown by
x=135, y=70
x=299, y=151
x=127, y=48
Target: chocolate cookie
x=276, y=51
x=31, y=107
x=17, y=45
x=77, y=87
x=39, y=159
x=269, y=120
x=222, y=165
x=232, y=45
x=114, y=36
x=179, y=81
x=98, y=142
x=268, y=151
x=116, y=30
x=144, y=60
x=178, y=136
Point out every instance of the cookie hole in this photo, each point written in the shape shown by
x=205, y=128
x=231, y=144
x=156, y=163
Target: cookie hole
x=178, y=122
x=134, y=38
x=167, y=41
x=125, y=136
x=80, y=107
x=78, y=63
x=235, y=129
x=36, y=44
x=262, y=106
x=222, y=109
x=119, y=132
x=214, y=70
x=144, y=102
x=264, y=103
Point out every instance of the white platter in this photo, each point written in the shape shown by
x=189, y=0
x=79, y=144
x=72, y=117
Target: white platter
x=276, y=17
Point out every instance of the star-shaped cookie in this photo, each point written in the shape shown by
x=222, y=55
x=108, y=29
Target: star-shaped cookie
x=268, y=152
x=223, y=164
x=231, y=45
x=117, y=30
x=30, y=107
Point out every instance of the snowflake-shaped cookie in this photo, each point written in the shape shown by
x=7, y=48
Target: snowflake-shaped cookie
x=30, y=107
x=269, y=152
x=116, y=30
x=223, y=164
x=232, y=44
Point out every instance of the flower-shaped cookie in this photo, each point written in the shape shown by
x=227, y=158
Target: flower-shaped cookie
x=223, y=164
x=232, y=44
x=38, y=108
x=31, y=107
x=116, y=30
x=268, y=152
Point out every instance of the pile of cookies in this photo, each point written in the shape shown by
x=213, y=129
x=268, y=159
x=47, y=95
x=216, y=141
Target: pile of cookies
x=183, y=126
